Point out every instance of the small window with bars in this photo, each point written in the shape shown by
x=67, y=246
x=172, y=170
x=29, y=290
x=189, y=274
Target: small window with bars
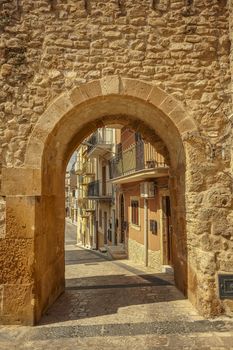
x=135, y=212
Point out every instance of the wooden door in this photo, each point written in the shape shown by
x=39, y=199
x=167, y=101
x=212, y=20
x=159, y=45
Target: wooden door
x=167, y=230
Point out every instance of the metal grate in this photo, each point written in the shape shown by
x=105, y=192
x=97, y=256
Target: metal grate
x=225, y=286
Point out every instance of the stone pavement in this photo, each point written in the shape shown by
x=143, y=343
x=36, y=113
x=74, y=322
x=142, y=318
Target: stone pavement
x=116, y=304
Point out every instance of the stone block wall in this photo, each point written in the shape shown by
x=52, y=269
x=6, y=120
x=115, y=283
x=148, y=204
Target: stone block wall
x=154, y=260
x=136, y=253
x=48, y=47
x=2, y=217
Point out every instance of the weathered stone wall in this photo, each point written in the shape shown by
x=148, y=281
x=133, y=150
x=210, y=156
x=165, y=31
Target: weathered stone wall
x=50, y=46
x=136, y=253
x=2, y=217
x=154, y=259
x=183, y=46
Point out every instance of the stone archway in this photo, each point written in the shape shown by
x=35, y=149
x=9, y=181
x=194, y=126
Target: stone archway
x=37, y=188
x=100, y=89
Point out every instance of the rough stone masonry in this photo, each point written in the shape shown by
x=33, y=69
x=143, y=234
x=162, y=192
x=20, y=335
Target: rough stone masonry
x=50, y=47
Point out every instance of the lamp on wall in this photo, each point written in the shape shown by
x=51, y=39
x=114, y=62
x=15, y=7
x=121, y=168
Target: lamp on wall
x=216, y=150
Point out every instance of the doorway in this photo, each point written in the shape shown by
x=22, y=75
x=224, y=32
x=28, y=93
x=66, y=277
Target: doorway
x=167, y=231
x=122, y=217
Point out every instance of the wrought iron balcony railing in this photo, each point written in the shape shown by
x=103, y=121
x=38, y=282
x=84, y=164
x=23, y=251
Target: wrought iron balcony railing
x=93, y=189
x=101, y=137
x=84, y=167
x=99, y=189
x=140, y=156
x=90, y=205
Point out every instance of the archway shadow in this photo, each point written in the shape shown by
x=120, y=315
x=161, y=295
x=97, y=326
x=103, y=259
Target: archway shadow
x=100, y=295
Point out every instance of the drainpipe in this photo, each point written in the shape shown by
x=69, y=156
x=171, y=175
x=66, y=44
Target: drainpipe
x=146, y=230
x=113, y=227
x=97, y=204
x=96, y=226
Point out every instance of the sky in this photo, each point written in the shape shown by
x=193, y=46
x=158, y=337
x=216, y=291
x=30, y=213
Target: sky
x=71, y=162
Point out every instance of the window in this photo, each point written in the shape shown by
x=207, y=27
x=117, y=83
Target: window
x=135, y=212
x=119, y=150
x=138, y=137
x=100, y=218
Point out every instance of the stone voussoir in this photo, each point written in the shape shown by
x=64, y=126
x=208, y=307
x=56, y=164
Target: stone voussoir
x=91, y=90
x=139, y=89
x=168, y=105
x=156, y=96
x=178, y=114
x=186, y=125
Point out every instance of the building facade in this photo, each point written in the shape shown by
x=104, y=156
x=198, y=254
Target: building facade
x=140, y=175
x=95, y=189
x=71, y=195
x=85, y=169
x=123, y=197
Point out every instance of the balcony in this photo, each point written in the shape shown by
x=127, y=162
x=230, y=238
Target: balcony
x=88, y=208
x=99, y=190
x=88, y=168
x=139, y=162
x=82, y=194
x=78, y=167
x=85, y=168
x=100, y=142
x=93, y=189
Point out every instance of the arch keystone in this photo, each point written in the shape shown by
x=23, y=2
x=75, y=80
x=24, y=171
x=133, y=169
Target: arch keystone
x=110, y=85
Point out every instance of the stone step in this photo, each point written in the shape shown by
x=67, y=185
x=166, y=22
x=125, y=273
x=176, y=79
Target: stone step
x=117, y=252
x=167, y=269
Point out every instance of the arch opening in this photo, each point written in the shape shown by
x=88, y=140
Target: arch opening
x=72, y=129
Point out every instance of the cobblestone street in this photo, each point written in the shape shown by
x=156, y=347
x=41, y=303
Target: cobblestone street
x=115, y=305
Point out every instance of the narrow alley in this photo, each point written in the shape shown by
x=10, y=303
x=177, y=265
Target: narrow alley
x=114, y=305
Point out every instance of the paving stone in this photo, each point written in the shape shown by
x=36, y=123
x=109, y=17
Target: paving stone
x=119, y=305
